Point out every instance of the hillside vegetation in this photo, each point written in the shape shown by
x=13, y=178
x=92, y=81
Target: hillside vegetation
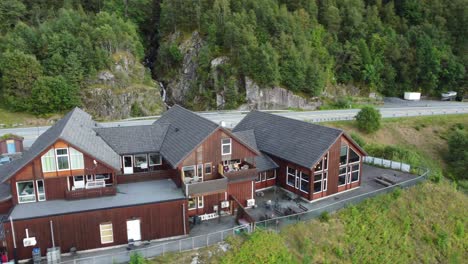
x=50, y=51
x=422, y=224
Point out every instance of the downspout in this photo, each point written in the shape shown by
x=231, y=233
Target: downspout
x=52, y=233
x=183, y=217
x=15, y=256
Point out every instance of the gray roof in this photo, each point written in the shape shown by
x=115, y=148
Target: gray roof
x=134, y=139
x=129, y=194
x=5, y=191
x=263, y=162
x=296, y=141
x=186, y=131
x=76, y=128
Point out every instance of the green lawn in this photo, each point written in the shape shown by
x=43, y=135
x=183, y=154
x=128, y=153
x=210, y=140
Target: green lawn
x=18, y=119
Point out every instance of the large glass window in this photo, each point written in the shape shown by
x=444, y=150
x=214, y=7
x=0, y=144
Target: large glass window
x=40, y=190
x=192, y=203
x=320, y=182
x=344, y=155
x=189, y=172
x=48, y=161
x=355, y=173
x=63, y=162
x=226, y=146
x=353, y=157
x=141, y=161
x=107, y=235
x=11, y=146
x=200, y=202
x=76, y=159
x=342, y=176
x=25, y=192
x=291, y=176
x=304, y=182
x=155, y=159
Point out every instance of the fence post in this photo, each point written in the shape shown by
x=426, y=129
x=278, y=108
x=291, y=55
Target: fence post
x=180, y=245
x=222, y=235
x=193, y=243
x=163, y=248
x=207, y=237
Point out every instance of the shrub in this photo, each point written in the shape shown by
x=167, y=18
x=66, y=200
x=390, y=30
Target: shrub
x=137, y=258
x=359, y=140
x=368, y=119
x=458, y=153
x=324, y=216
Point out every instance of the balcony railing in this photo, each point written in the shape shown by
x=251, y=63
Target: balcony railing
x=205, y=187
x=246, y=171
x=90, y=193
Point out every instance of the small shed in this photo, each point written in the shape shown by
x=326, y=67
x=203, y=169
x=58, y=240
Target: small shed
x=11, y=144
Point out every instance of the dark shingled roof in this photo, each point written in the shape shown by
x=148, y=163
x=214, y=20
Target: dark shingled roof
x=262, y=162
x=296, y=141
x=134, y=139
x=76, y=128
x=186, y=131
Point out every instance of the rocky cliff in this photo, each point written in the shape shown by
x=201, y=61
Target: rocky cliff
x=124, y=90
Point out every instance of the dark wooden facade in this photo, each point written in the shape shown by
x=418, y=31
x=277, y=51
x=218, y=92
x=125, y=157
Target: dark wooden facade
x=333, y=172
x=265, y=179
x=81, y=230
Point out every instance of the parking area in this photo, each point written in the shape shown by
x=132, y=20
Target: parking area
x=276, y=202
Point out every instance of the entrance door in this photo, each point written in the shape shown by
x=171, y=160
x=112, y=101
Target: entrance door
x=128, y=164
x=133, y=230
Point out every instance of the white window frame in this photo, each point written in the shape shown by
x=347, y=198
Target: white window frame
x=226, y=144
x=209, y=164
x=200, y=201
x=300, y=183
x=62, y=155
x=29, y=195
x=90, y=177
x=345, y=174
x=51, y=155
x=194, y=171
x=75, y=153
x=37, y=190
x=272, y=178
x=195, y=201
x=200, y=168
x=135, y=161
x=358, y=171
x=74, y=182
x=101, y=229
x=150, y=161
x=293, y=175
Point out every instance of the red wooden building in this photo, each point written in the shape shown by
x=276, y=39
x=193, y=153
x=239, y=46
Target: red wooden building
x=84, y=187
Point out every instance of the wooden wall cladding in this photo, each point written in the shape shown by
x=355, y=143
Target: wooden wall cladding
x=5, y=206
x=81, y=230
x=242, y=191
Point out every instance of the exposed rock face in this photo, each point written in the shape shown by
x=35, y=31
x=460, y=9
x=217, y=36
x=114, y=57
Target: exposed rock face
x=274, y=98
x=108, y=104
x=179, y=86
x=127, y=85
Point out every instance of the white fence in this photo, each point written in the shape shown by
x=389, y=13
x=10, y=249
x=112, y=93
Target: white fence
x=387, y=163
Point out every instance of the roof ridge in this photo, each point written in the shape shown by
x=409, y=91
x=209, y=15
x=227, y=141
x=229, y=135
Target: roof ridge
x=192, y=113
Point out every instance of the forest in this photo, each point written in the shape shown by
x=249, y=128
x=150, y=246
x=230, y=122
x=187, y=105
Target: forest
x=50, y=51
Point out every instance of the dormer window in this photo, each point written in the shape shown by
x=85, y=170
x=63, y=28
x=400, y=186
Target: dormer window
x=226, y=146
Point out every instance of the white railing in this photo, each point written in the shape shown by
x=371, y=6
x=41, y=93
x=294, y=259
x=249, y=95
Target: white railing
x=387, y=163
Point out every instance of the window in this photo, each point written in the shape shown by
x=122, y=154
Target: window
x=192, y=203
x=40, y=190
x=155, y=159
x=353, y=157
x=291, y=176
x=200, y=202
x=207, y=168
x=48, y=161
x=11, y=147
x=107, y=235
x=141, y=161
x=90, y=177
x=200, y=170
x=320, y=182
x=62, y=159
x=76, y=159
x=304, y=182
x=325, y=162
x=26, y=192
x=342, y=177
x=78, y=182
x=271, y=174
x=105, y=176
x=226, y=146
x=343, y=155
x=189, y=171
x=318, y=167
x=355, y=173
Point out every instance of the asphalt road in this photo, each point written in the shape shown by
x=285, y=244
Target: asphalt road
x=393, y=107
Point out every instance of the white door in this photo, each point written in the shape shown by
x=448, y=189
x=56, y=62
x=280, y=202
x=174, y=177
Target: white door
x=133, y=230
x=128, y=164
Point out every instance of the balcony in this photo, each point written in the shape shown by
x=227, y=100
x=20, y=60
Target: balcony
x=238, y=171
x=205, y=187
x=90, y=193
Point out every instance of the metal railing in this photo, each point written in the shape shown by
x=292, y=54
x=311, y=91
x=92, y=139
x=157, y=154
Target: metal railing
x=274, y=224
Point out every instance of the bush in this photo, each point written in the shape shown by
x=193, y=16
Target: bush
x=458, y=154
x=137, y=258
x=359, y=140
x=368, y=119
x=324, y=217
